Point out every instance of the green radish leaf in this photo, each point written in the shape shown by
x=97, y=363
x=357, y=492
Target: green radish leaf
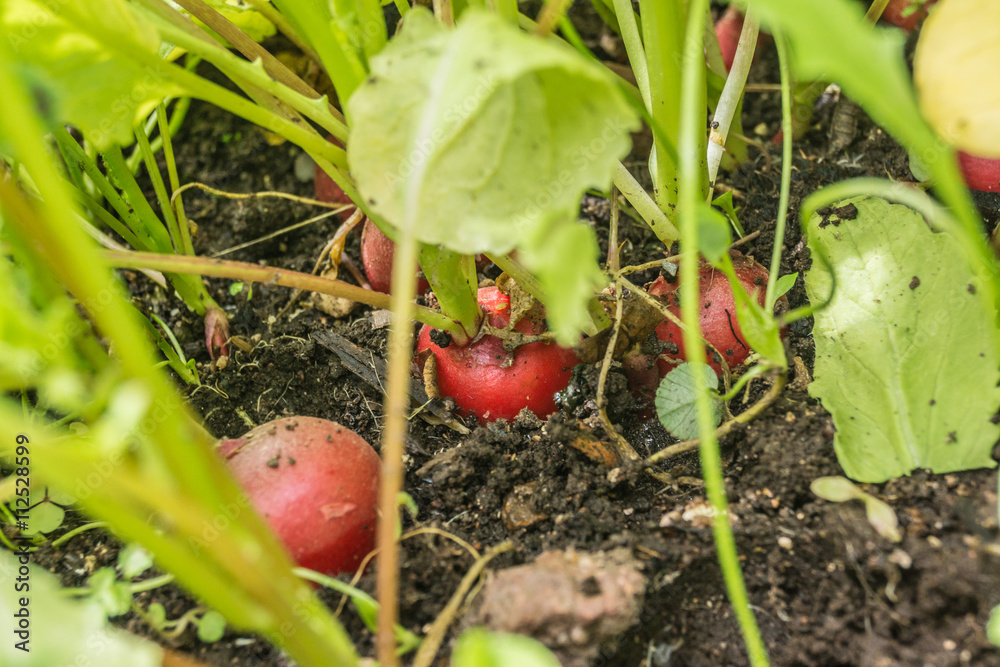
x=478, y=137
x=67, y=70
x=483, y=138
x=566, y=266
x=714, y=237
x=211, y=627
x=44, y=518
x=906, y=355
x=676, y=396
x=478, y=647
x=60, y=497
x=785, y=283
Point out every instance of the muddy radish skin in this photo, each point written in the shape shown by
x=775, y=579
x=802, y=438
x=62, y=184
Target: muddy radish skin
x=496, y=384
x=316, y=484
x=717, y=317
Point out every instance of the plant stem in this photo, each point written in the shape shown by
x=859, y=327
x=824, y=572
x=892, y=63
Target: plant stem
x=692, y=110
x=645, y=206
x=663, y=34
x=633, y=47
x=732, y=92
x=786, y=170
x=404, y=282
x=221, y=268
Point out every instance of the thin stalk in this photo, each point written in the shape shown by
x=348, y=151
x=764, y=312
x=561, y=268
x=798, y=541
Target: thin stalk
x=692, y=110
x=153, y=170
x=187, y=247
x=247, y=272
x=732, y=92
x=663, y=34
x=633, y=47
x=324, y=152
x=786, y=170
x=268, y=11
x=874, y=12
x=404, y=283
x=550, y=15
x=263, y=71
x=644, y=205
x=313, y=20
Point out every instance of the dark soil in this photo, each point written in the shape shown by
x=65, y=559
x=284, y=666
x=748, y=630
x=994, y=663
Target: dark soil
x=826, y=589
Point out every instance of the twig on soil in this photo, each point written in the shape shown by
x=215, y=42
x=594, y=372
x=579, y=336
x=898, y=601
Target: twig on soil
x=435, y=635
x=742, y=418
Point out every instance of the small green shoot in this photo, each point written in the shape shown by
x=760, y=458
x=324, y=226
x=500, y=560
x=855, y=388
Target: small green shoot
x=880, y=515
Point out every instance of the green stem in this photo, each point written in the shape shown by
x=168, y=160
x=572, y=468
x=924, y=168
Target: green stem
x=321, y=150
x=692, y=112
x=662, y=30
x=404, y=265
x=269, y=275
x=187, y=247
x=786, y=170
x=633, y=47
x=644, y=205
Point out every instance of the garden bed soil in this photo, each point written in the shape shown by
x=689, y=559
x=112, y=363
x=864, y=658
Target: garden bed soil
x=825, y=587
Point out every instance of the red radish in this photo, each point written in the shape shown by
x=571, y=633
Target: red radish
x=486, y=379
x=895, y=10
x=327, y=189
x=717, y=317
x=316, y=483
x=727, y=30
x=980, y=173
x=377, y=251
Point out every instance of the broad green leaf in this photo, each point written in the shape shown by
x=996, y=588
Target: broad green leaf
x=69, y=72
x=676, y=399
x=906, y=355
x=478, y=647
x=478, y=138
x=64, y=631
x=211, y=627
x=954, y=70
